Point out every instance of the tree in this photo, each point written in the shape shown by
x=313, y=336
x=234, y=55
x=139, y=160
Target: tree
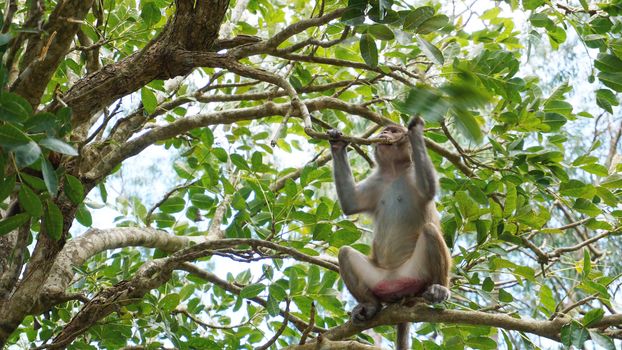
x=88, y=84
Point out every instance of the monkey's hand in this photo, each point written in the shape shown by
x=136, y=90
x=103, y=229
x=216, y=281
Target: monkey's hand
x=364, y=312
x=416, y=124
x=436, y=294
x=336, y=142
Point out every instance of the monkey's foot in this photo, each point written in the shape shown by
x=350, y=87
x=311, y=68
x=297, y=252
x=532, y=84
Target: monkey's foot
x=436, y=294
x=365, y=311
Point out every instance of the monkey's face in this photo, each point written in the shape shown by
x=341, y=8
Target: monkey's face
x=396, y=152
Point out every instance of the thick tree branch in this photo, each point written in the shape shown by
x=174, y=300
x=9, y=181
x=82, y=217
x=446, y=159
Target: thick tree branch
x=76, y=252
x=132, y=124
x=341, y=63
x=60, y=29
x=149, y=276
x=395, y=314
x=135, y=146
x=194, y=27
x=280, y=37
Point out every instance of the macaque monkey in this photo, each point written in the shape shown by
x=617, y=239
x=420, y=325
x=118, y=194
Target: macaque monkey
x=409, y=256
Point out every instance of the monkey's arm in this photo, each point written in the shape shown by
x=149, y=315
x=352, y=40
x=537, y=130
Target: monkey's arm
x=353, y=198
x=425, y=175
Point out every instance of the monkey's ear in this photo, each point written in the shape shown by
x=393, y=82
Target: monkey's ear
x=416, y=121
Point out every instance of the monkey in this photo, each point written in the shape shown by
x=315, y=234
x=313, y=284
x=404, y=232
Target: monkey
x=409, y=255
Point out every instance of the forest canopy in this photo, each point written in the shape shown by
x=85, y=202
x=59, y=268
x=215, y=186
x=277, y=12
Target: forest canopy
x=165, y=177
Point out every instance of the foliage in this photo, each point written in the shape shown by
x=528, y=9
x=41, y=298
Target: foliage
x=530, y=179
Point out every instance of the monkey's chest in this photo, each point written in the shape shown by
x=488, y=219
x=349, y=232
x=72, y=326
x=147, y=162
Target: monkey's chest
x=398, y=221
x=399, y=209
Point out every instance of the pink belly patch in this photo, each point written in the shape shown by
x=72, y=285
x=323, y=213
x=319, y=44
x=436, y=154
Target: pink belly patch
x=390, y=290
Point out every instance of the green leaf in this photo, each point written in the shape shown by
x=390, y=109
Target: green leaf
x=482, y=343
x=586, y=207
x=510, y=201
x=257, y=161
x=557, y=36
x=546, y=298
x=296, y=83
x=29, y=200
x=252, y=290
x=555, y=121
x=606, y=195
x=605, y=99
x=468, y=125
x=53, y=219
x=488, y=285
x=74, y=189
x=272, y=306
x=611, y=80
x=7, y=185
x=576, y=188
x=149, y=100
x=505, y=296
x=417, y=16
x=574, y=334
x=11, y=136
x=49, y=176
x=427, y=102
x=59, y=146
x=435, y=55
x=14, y=108
x=592, y=317
x=83, y=215
x=368, y=49
x=220, y=154
x=355, y=12
x=381, y=32
x=541, y=20
x=277, y=291
x=42, y=122
x=468, y=208
x=596, y=169
x=587, y=263
x=614, y=181
x=608, y=63
x=532, y=4
x=173, y=205
x=169, y=302
x=602, y=341
x=557, y=106
x=432, y=24
x=601, y=24
x=150, y=13
x=344, y=237
x=11, y=223
x=27, y=154
x=239, y=162
x=202, y=201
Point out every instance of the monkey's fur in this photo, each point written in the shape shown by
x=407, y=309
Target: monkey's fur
x=409, y=256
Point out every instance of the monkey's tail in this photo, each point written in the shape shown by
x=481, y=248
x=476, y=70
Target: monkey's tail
x=402, y=341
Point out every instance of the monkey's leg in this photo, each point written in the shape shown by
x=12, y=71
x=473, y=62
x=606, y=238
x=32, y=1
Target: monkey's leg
x=430, y=261
x=360, y=275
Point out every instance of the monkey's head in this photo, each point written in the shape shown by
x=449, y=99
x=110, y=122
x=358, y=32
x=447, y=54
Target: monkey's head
x=397, y=152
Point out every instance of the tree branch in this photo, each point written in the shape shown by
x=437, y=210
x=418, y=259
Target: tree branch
x=208, y=276
x=61, y=27
x=394, y=314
